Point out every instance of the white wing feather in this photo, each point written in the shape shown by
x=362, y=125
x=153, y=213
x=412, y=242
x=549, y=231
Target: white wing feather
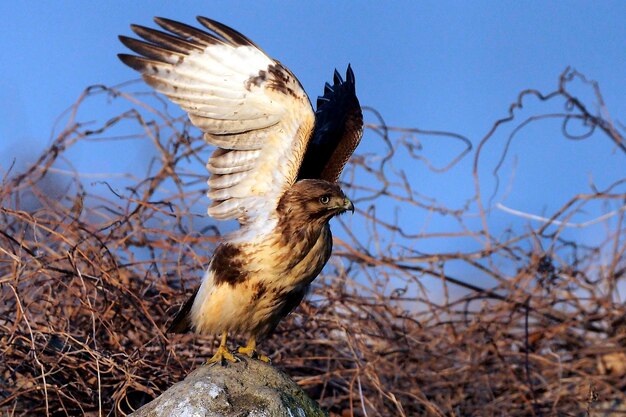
x=247, y=104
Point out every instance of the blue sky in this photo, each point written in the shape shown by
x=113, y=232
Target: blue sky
x=443, y=65
x=454, y=66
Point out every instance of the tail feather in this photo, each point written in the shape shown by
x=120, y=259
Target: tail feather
x=182, y=321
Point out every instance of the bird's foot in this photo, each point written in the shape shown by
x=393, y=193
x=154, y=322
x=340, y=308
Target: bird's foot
x=222, y=356
x=252, y=353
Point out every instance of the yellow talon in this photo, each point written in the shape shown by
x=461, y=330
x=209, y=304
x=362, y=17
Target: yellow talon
x=222, y=353
x=250, y=351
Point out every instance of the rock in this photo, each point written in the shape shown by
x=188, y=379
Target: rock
x=249, y=388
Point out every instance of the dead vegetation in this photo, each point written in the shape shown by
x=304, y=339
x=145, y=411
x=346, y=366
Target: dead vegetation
x=533, y=324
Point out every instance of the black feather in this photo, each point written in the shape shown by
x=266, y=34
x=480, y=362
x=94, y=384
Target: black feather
x=188, y=32
x=228, y=33
x=166, y=40
x=182, y=321
x=334, y=109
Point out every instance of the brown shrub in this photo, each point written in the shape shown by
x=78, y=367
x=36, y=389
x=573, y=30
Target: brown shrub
x=89, y=280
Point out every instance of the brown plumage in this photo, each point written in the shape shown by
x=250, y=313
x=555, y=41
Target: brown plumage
x=274, y=170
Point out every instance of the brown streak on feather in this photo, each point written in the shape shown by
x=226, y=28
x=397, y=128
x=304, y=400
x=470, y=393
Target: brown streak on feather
x=280, y=80
x=256, y=80
x=259, y=290
x=228, y=265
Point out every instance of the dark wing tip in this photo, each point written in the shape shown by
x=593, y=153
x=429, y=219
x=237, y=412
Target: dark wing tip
x=133, y=44
x=337, y=77
x=226, y=32
x=338, y=129
x=123, y=38
x=350, y=75
x=149, y=34
x=175, y=41
x=139, y=29
x=162, y=20
x=339, y=87
x=135, y=62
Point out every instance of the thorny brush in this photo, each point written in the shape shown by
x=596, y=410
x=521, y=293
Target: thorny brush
x=88, y=282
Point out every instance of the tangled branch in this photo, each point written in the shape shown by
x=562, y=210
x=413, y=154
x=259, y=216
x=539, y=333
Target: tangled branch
x=90, y=274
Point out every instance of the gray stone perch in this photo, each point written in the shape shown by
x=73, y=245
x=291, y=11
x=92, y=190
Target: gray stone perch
x=248, y=388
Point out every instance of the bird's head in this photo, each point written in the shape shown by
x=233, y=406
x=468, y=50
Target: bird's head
x=314, y=200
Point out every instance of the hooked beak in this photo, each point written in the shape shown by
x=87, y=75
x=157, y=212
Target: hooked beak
x=347, y=205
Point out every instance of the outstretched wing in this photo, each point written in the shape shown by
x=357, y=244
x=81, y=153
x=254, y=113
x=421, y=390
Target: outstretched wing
x=247, y=104
x=338, y=130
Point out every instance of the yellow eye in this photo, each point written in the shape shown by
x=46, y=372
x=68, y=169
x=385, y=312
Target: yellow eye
x=324, y=199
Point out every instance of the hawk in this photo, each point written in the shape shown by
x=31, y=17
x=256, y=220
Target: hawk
x=275, y=170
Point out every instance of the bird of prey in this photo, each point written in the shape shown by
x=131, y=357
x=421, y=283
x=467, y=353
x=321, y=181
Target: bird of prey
x=275, y=170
